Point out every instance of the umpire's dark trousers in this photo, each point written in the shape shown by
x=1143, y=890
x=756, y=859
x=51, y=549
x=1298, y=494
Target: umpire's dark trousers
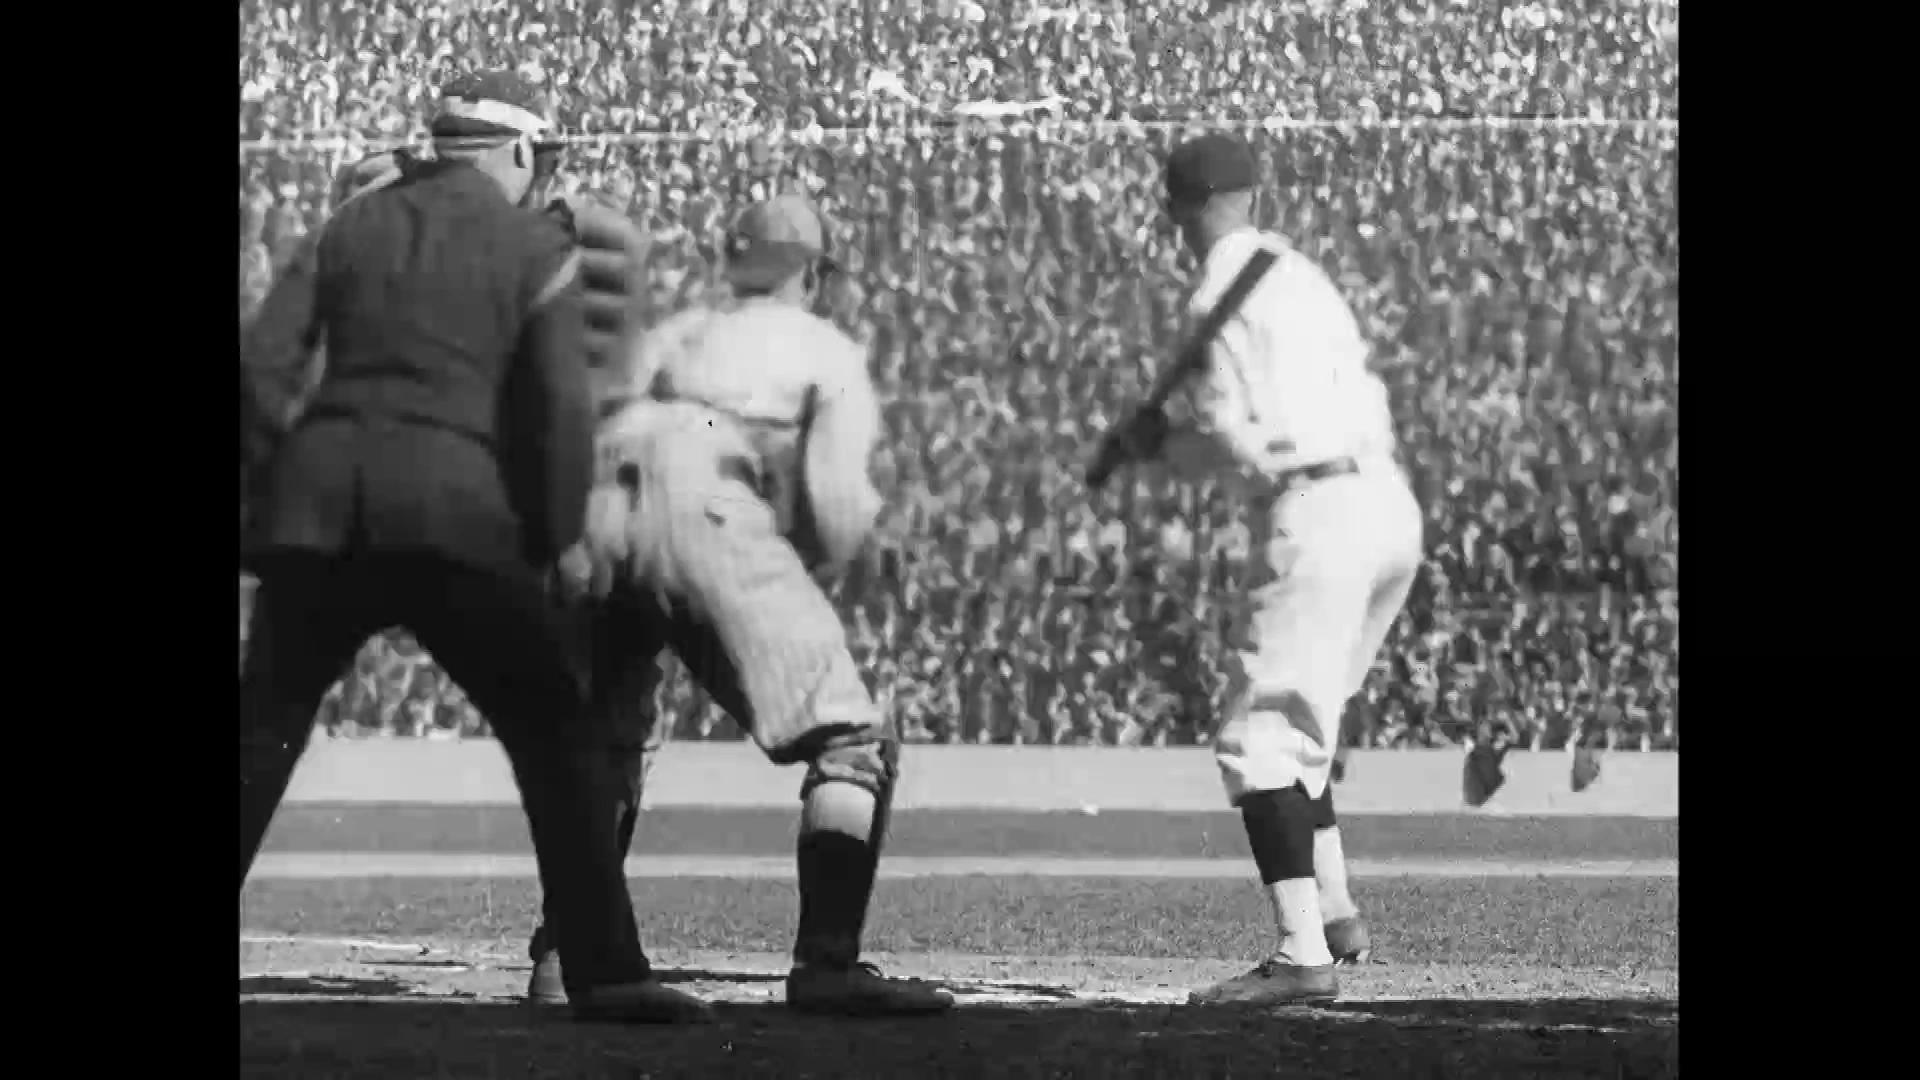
x=500, y=639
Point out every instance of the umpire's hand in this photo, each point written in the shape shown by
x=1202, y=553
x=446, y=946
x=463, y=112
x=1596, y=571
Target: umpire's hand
x=573, y=575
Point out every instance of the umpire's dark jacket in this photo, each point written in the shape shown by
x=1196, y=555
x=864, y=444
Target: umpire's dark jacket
x=453, y=415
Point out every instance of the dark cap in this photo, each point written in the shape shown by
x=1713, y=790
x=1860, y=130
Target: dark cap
x=489, y=105
x=1208, y=165
x=773, y=240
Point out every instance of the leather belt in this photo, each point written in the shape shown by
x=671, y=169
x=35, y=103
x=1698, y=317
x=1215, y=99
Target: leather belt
x=1313, y=474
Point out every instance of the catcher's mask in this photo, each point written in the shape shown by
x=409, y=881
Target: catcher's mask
x=547, y=157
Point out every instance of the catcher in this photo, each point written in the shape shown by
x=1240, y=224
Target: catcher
x=734, y=469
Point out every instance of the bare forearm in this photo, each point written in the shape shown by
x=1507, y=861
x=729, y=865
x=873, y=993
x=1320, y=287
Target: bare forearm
x=844, y=515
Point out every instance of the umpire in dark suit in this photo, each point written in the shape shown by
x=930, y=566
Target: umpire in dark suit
x=440, y=464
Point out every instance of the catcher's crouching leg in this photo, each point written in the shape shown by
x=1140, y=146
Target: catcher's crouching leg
x=846, y=801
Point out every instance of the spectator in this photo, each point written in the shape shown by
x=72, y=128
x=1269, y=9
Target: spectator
x=1522, y=287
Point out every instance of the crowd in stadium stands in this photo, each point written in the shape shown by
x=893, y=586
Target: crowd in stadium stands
x=1521, y=283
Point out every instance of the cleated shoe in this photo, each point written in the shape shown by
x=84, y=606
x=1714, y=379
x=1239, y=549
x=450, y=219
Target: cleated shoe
x=1273, y=983
x=1349, y=941
x=544, y=986
x=861, y=990
x=648, y=1001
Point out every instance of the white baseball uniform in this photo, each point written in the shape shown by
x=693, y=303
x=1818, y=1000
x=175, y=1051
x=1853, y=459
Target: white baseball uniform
x=1288, y=409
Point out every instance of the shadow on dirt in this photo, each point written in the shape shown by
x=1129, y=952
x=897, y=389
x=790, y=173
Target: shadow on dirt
x=322, y=986
x=379, y=1039
x=679, y=976
x=702, y=975
x=1549, y=1013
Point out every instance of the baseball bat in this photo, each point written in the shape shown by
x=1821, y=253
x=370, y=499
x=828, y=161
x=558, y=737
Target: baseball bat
x=1191, y=358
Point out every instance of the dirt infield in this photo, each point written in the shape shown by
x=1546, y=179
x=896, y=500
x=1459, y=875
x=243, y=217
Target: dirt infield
x=1060, y=974
x=324, y=1009
x=276, y=968
x=1595, y=923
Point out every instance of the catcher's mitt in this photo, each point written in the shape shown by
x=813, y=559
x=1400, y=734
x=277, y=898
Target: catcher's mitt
x=613, y=269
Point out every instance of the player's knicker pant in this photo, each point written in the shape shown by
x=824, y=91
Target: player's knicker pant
x=1340, y=556
x=497, y=636
x=708, y=574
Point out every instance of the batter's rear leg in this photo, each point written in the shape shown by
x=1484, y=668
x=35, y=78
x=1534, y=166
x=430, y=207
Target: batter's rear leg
x=621, y=648
x=1347, y=936
x=1275, y=750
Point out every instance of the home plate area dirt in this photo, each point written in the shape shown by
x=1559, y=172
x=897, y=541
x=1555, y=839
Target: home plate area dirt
x=416, y=1009
x=399, y=979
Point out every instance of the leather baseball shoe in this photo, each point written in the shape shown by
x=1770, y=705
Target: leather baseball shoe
x=1273, y=983
x=648, y=1001
x=860, y=990
x=1349, y=941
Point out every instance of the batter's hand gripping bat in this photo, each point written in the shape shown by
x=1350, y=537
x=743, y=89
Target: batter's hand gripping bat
x=1114, y=448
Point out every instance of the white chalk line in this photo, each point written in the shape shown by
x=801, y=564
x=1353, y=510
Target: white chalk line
x=309, y=866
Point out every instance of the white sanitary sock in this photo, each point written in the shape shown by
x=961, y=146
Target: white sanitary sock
x=1296, y=907
x=1330, y=871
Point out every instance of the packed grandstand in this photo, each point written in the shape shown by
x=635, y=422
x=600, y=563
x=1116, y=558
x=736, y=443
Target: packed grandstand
x=1494, y=185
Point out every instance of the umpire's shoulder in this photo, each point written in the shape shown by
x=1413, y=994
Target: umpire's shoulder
x=537, y=232
x=543, y=246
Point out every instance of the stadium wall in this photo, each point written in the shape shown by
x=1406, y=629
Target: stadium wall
x=1035, y=778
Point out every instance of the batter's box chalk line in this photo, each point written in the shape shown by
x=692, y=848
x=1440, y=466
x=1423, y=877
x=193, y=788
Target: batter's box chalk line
x=340, y=943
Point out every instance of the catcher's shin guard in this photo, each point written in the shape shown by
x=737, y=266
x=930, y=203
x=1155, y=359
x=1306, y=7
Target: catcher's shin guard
x=837, y=873
x=837, y=870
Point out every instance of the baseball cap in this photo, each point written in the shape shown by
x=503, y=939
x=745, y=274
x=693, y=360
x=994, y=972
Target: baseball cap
x=773, y=240
x=1208, y=165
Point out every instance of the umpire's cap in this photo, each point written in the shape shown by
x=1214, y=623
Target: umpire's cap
x=1209, y=165
x=487, y=108
x=773, y=240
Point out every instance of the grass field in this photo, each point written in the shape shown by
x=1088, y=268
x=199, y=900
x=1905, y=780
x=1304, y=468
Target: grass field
x=1495, y=973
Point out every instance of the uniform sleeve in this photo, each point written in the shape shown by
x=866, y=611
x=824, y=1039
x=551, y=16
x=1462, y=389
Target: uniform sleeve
x=1225, y=432
x=840, y=444
x=549, y=400
x=1223, y=397
x=277, y=352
